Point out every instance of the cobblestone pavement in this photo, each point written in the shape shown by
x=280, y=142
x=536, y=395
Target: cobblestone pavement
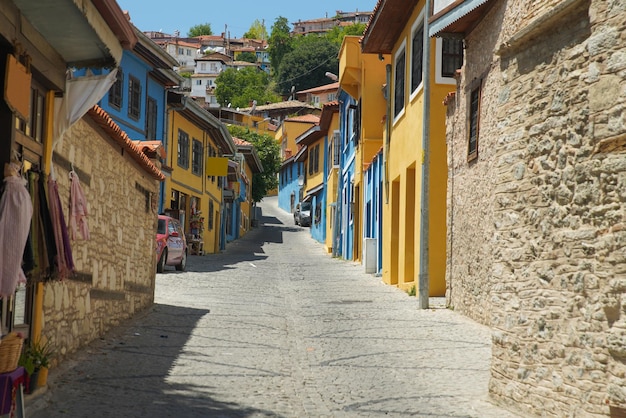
x=275, y=327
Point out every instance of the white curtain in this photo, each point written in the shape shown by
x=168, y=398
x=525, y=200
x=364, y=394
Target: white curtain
x=81, y=94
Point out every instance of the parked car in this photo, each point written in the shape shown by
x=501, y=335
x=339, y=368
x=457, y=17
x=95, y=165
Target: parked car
x=302, y=214
x=171, y=245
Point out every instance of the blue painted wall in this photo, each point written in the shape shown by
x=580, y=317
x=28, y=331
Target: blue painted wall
x=372, y=213
x=347, y=113
x=288, y=185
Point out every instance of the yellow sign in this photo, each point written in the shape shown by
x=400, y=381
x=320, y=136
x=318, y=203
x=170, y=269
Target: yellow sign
x=216, y=166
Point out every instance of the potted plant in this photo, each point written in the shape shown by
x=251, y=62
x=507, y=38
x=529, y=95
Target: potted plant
x=35, y=359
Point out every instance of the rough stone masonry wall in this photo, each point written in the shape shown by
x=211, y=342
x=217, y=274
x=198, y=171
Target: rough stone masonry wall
x=554, y=279
x=116, y=267
x=471, y=185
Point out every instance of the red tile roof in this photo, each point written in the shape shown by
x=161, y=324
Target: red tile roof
x=102, y=118
x=239, y=141
x=304, y=118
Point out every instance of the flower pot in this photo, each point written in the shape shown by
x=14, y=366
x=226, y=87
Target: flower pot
x=43, y=377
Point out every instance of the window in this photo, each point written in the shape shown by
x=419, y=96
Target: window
x=336, y=148
x=417, y=56
x=210, y=223
x=198, y=82
x=183, y=149
x=134, y=97
x=314, y=159
x=398, y=102
x=181, y=51
x=474, y=121
x=451, y=56
x=151, y=119
x=196, y=157
x=203, y=66
x=189, y=52
x=115, y=93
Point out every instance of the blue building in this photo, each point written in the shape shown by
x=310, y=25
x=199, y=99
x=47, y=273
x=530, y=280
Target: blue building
x=290, y=182
x=345, y=214
x=137, y=99
x=372, y=222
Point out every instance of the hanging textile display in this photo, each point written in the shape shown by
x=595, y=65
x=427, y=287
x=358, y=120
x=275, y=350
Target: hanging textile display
x=64, y=260
x=16, y=210
x=46, y=240
x=78, y=209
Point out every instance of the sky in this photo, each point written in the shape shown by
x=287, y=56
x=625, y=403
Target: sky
x=167, y=16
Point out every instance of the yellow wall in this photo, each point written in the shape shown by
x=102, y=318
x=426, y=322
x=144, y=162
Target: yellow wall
x=191, y=184
x=292, y=130
x=401, y=214
x=331, y=187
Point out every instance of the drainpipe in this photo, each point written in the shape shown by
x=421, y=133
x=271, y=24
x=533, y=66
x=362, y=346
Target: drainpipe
x=424, y=288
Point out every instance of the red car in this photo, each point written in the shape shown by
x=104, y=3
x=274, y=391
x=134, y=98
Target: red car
x=171, y=245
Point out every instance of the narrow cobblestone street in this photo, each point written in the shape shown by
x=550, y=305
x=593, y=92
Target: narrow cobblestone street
x=274, y=327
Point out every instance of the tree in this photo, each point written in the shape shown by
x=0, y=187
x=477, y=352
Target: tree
x=306, y=65
x=247, y=56
x=268, y=150
x=257, y=31
x=201, y=29
x=280, y=42
x=336, y=34
x=240, y=87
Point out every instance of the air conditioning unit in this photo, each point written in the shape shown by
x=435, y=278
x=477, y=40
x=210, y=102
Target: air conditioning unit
x=370, y=255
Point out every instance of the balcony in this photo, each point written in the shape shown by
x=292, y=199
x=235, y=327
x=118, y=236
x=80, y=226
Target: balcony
x=350, y=65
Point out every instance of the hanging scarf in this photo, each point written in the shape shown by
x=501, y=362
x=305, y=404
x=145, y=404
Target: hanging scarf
x=64, y=260
x=78, y=209
x=16, y=210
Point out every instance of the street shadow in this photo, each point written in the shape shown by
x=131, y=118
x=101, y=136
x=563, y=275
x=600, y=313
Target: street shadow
x=247, y=248
x=130, y=372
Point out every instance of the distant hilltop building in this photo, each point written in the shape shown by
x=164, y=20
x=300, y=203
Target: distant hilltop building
x=326, y=24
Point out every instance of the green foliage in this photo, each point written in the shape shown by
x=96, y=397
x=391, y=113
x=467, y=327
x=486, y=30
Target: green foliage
x=306, y=65
x=186, y=74
x=247, y=56
x=337, y=34
x=201, y=29
x=412, y=291
x=35, y=356
x=279, y=42
x=268, y=151
x=257, y=31
x=240, y=87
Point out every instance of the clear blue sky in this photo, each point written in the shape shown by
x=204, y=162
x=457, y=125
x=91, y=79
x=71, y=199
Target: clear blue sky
x=168, y=16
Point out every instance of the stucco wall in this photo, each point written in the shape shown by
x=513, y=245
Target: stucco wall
x=536, y=225
x=116, y=267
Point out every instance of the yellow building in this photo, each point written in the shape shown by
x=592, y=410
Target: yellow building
x=194, y=188
x=404, y=151
x=333, y=144
x=290, y=129
x=363, y=77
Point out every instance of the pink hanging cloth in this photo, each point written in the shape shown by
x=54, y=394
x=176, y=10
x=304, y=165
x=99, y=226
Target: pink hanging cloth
x=64, y=259
x=16, y=211
x=78, y=209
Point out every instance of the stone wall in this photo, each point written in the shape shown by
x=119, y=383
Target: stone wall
x=116, y=267
x=548, y=271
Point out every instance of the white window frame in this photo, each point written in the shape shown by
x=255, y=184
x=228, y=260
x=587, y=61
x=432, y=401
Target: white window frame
x=416, y=25
x=395, y=60
x=438, y=62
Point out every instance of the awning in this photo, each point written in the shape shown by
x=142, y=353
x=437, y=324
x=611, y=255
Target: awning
x=85, y=33
x=456, y=17
x=314, y=190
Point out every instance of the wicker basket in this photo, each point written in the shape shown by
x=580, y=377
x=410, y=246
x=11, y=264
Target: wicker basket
x=10, y=350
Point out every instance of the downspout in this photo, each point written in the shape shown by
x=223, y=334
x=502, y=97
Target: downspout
x=424, y=285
